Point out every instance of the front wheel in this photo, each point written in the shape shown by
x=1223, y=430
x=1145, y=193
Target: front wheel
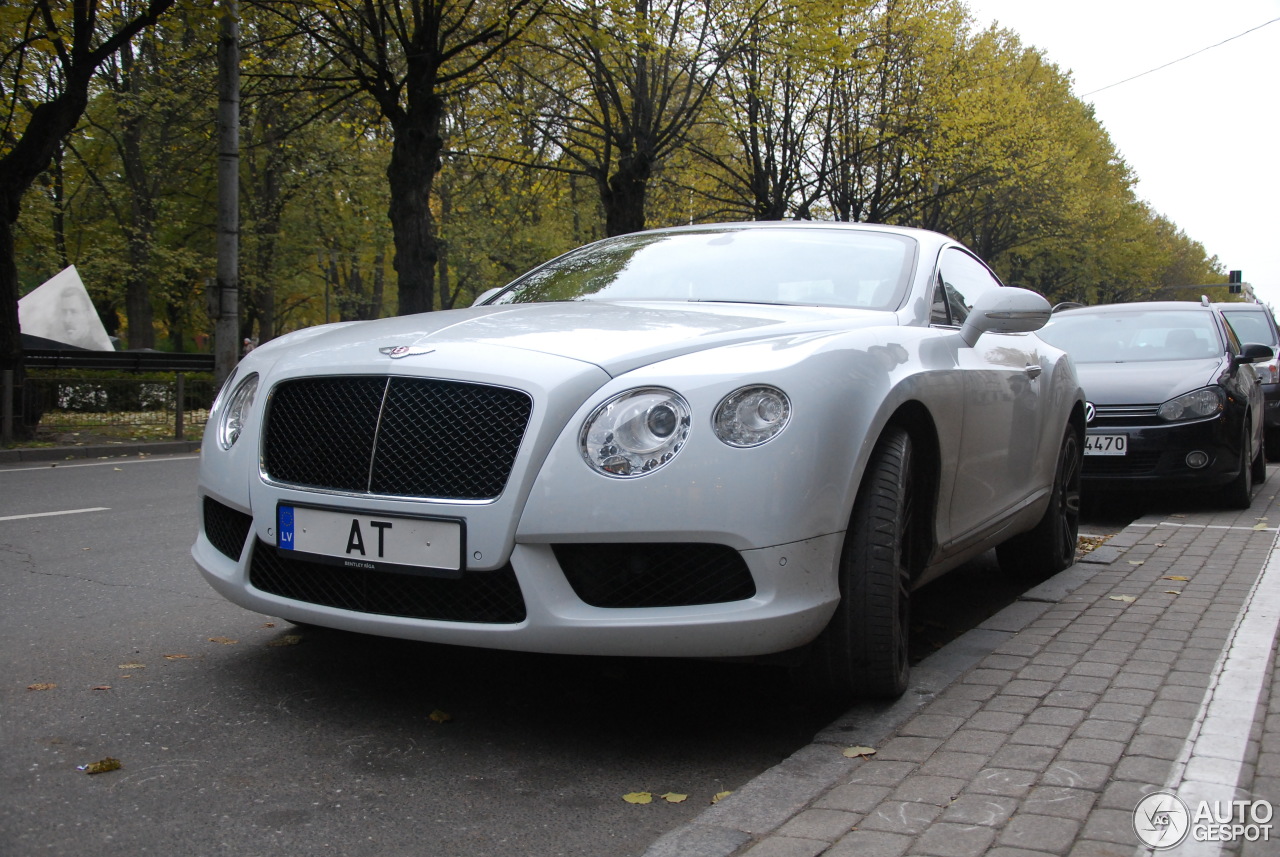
x=863, y=650
x=1051, y=546
x=1239, y=494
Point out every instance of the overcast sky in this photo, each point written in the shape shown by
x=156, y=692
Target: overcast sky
x=1203, y=134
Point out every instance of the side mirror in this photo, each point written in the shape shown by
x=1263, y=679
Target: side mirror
x=1253, y=353
x=485, y=295
x=1005, y=310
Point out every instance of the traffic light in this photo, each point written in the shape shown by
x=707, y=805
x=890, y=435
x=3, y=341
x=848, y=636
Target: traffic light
x=1234, y=281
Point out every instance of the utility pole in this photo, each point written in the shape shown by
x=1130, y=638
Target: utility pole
x=226, y=332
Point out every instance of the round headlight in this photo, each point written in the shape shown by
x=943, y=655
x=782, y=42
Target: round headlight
x=635, y=432
x=1195, y=405
x=751, y=416
x=236, y=410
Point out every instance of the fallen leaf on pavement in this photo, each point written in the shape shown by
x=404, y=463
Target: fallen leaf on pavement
x=226, y=641
x=638, y=797
x=1136, y=561
x=1125, y=598
x=674, y=797
x=131, y=666
x=720, y=796
x=44, y=685
x=855, y=752
x=103, y=687
x=1174, y=577
x=441, y=716
x=1173, y=592
x=176, y=657
x=107, y=764
x=287, y=640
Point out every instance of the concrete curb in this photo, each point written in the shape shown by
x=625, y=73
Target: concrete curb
x=68, y=453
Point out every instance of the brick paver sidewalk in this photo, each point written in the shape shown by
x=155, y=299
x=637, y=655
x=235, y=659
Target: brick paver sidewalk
x=1082, y=704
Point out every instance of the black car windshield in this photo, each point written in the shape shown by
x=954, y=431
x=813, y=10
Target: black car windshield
x=808, y=266
x=1250, y=325
x=1134, y=336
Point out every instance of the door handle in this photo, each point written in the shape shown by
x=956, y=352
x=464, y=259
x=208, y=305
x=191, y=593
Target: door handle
x=1033, y=371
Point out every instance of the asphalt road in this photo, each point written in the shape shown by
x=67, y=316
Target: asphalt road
x=242, y=735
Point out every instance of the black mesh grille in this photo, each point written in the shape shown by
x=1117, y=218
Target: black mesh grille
x=440, y=439
x=226, y=528
x=479, y=596
x=655, y=575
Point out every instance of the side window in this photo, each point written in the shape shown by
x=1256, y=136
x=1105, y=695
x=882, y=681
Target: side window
x=961, y=278
x=1233, y=342
x=939, y=313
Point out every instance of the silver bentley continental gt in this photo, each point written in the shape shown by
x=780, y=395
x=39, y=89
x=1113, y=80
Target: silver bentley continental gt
x=709, y=441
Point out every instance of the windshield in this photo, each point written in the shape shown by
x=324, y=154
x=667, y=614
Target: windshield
x=823, y=267
x=1250, y=326
x=1134, y=336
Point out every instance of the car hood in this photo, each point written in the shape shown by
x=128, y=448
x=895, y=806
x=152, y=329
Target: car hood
x=617, y=337
x=1147, y=383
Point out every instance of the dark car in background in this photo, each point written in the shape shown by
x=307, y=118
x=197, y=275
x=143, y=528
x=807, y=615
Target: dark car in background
x=1253, y=322
x=1173, y=399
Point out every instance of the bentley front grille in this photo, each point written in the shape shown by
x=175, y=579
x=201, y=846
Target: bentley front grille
x=394, y=436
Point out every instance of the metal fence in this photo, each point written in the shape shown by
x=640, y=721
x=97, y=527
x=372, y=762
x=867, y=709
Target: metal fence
x=134, y=394
x=149, y=406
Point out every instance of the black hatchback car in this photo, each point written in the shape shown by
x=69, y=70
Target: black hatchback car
x=1173, y=399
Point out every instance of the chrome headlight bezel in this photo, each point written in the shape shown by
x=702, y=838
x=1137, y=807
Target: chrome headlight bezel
x=751, y=416
x=1198, y=404
x=636, y=432
x=235, y=410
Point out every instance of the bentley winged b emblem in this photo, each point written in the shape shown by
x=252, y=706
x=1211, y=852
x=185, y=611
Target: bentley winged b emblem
x=395, y=352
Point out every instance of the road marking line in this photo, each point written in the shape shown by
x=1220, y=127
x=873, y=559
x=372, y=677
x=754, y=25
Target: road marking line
x=1209, y=527
x=52, y=514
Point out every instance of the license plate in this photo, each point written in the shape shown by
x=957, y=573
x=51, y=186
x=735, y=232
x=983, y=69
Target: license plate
x=1106, y=444
x=430, y=546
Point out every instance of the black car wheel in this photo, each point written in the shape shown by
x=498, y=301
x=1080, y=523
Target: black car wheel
x=863, y=650
x=1239, y=493
x=1051, y=546
x=1260, y=463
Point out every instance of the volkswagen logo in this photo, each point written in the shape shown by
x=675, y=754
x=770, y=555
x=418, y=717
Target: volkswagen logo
x=1089, y=412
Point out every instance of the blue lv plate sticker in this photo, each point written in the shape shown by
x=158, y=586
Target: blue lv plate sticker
x=285, y=527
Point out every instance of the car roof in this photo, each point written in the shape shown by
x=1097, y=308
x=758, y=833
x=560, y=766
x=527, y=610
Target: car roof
x=1143, y=306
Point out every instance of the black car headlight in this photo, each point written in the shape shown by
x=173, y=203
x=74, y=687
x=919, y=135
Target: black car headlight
x=1196, y=405
x=635, y=432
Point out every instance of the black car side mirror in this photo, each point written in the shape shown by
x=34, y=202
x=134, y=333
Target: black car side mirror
x=1252, y=353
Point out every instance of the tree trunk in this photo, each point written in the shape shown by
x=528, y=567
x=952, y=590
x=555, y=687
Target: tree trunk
x=624, y=197
x=415, y=161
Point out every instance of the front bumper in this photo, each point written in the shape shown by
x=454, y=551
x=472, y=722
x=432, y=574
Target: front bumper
x=1156, y=456
x=1271, y=407
x=530, y=603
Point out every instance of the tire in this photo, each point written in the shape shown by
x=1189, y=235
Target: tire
x=1260, y=463
x=1239, y=493
x=1051, y=545
x=863, y=652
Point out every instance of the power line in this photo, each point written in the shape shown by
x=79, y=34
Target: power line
x=1180, y=59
